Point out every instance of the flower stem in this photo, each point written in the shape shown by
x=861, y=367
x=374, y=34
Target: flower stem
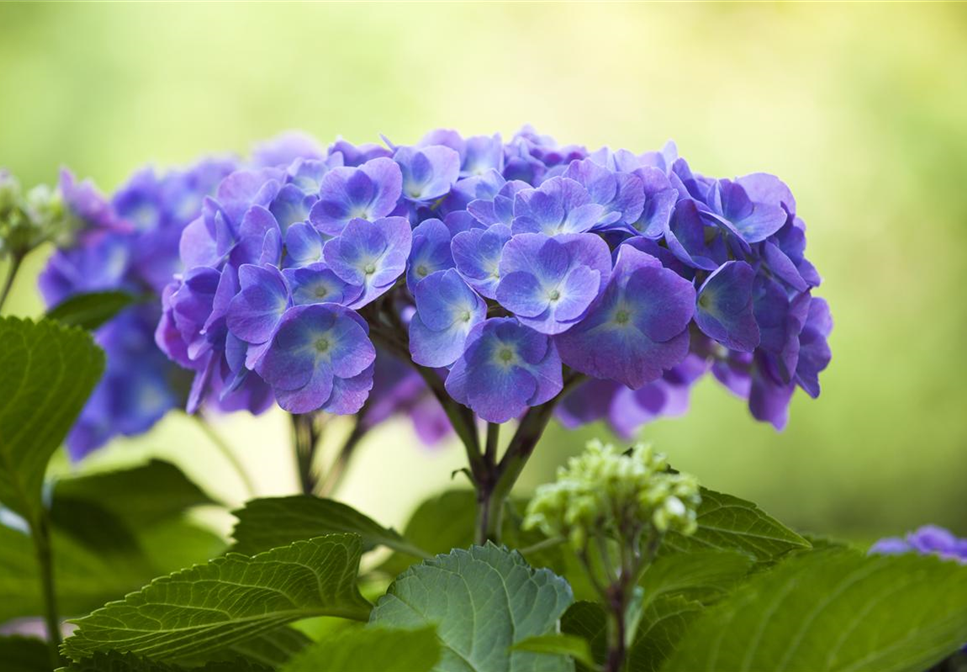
x=334, y=475
x=216, y=439
x=40, y=532
x=15, y=261
x=306, y=438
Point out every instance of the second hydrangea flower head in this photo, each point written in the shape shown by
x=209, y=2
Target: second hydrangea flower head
x=510, y=269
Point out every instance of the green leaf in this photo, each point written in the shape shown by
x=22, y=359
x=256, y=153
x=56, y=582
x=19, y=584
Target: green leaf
x=231, y=599
x=560, y=644
x=275, y=521
x=84, y=578
x=663, y=624
x=834, y=610
x=703, y=574
x=439, y=524
x=729, y=523
x=274, y=648
x=48, y=372
x=483, y=601
x=24, y=654
x=140, y=496
x=126, y=662
x=90, y=311
x=371, y=649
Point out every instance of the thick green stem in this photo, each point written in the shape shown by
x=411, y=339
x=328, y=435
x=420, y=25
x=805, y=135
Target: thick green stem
x=40, y=532
x=229, y=454
x=306, y=439
x=15, y=261
x=615, y=657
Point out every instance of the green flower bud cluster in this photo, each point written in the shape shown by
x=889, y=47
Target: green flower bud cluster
x=624, y=496
x=29, y=219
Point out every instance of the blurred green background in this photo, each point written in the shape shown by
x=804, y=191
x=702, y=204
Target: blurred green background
x=862, y=109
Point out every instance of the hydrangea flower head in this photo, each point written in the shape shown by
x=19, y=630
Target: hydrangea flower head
x=505, y=269
x=604, y=491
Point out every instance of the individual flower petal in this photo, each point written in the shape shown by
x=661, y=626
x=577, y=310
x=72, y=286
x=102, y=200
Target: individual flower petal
x=814, y=351
x=637, y=328
x=313, y=347
x=476, y=255
x=317, y=283
x=505, y=369
x=724, y=310
x=371, y=255
x=430, y=251
x=754, y=221
x=560, y=205
x=303, y=245
x=428, y=173
x=254, y=313
x=446, y=310
x=367, y=192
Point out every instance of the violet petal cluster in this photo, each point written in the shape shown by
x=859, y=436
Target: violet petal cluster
x=927, y=540
x=507, y=269
x=128, y=242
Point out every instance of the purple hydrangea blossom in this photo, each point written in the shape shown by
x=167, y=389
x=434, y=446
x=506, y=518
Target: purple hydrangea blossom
x=505, y=268
x=505, y=369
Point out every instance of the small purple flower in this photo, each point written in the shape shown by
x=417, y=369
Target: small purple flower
x=814, y=351
x=549, y=283
x=927, y=540
x=367, y=192
x=428, y=173
x=482, y=153
x=84, y=201
x=320, y=358
x=476, y=254
x=694, y=242
x=621, y=195
x=446, y=310
x=371, y=255
x=637, y=328
x=498, y=208
x=560, y=205
x=357, y=155
x=505, y=369
x=724, y=310
x=317, y=283
x=430, y=252
x=255, y=311
x=754, y=221
x=660, y=199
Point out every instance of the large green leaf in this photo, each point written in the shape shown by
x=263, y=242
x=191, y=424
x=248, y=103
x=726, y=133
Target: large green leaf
x=126, y=662
x=483, y=601
x=47, y=372
x=91, y=310
x=663, y=624
x=24, y=654
x=372, y=649
x=560, y=644
x=703, y=574
x=142, y=495
x=727, y=523
x=229, y=600
x=276, y=521
x=834, y=610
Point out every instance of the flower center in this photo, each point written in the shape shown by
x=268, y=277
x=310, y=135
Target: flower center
x=465, y=316
x=505, y=354
x=322, y=345
x=369, y=268
x=321, y=291
x=422, y=271
x=622, y=316
x=554, y=295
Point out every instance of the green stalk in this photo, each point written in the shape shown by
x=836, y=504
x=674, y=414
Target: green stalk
x=15, y=261
x=306, y=439
x=40, y=533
